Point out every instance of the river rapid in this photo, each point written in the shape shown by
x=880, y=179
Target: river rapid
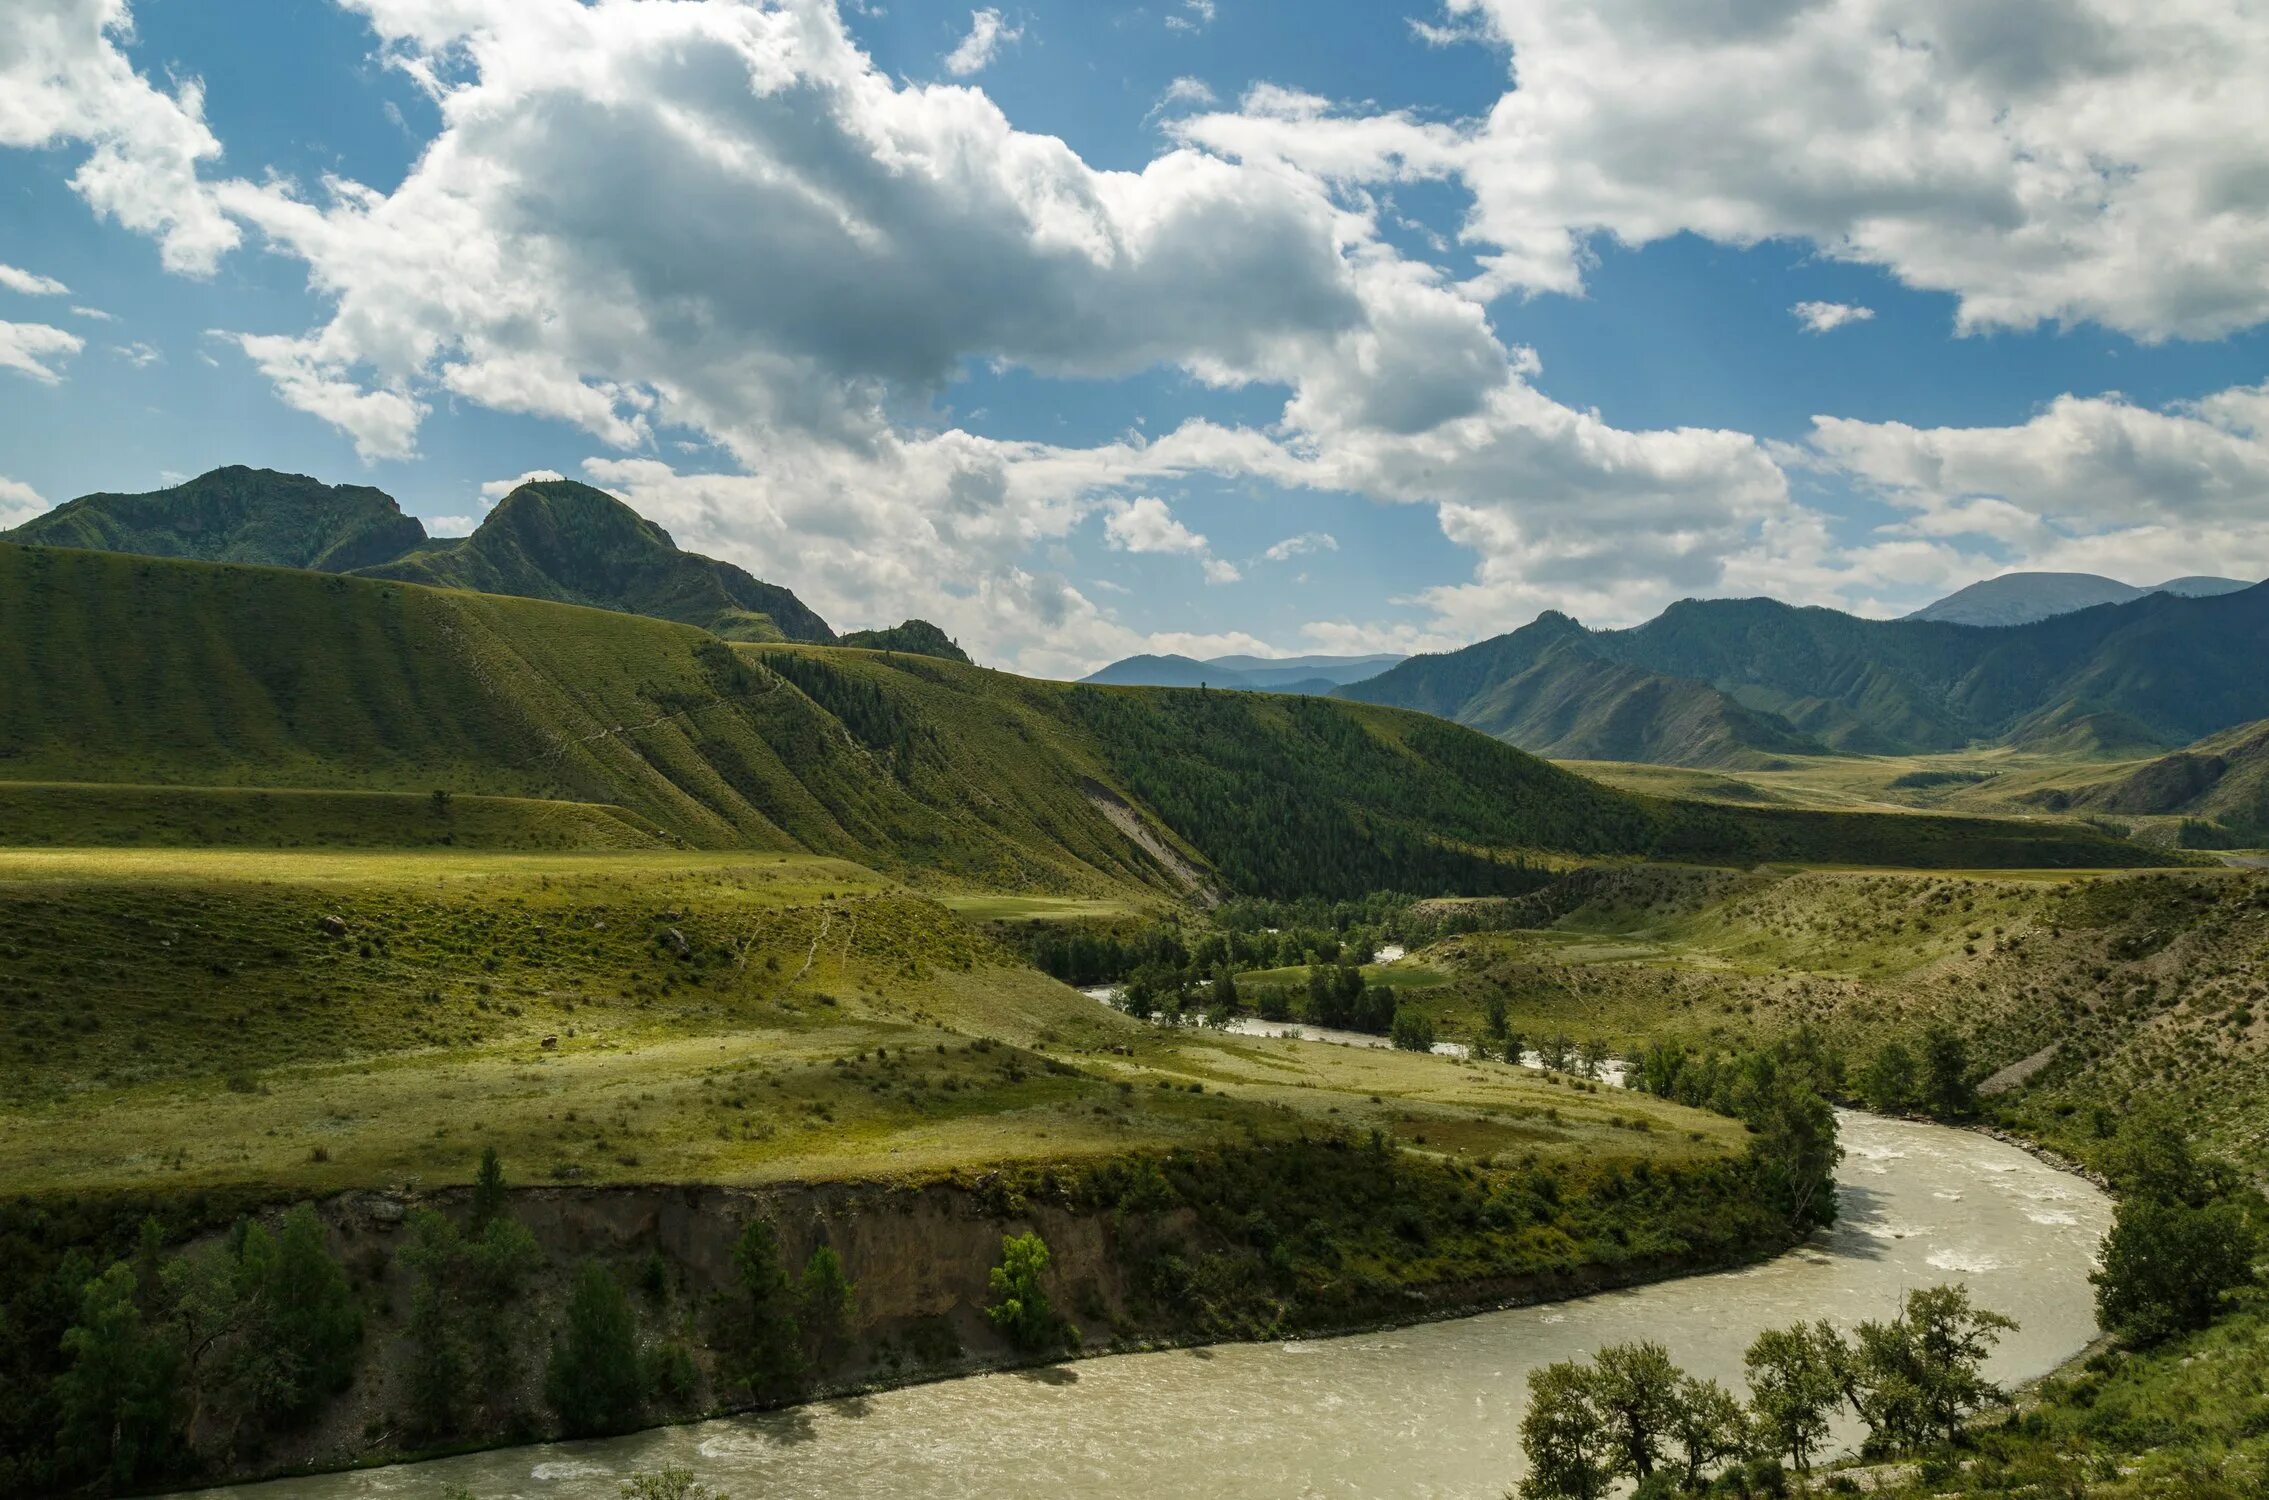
x=1425, y=1411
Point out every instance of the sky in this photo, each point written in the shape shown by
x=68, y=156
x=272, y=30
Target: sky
x=1086, y=328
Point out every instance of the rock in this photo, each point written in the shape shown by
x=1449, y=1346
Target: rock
x=333, y=926
x=678, y=944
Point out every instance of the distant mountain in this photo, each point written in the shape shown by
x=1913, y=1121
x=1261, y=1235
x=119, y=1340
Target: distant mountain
x=2021, y=598
x=2155, y=673
x=559, y=540
x=915, y=637
x=236, y=515
x=1310, y=676
x=1543, y=689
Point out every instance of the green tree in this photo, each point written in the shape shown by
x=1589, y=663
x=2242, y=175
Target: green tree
x=2169, y=1267
x=1891, y=1082
x=1225, y=989
x=670, y=1483
x=593, y=1381
x=1635, y=1389
x=1947, y=1089
x=496, y=1266
x=1794, y=1387
x=1020, y=1306
x=1413, y=1030
x=119, y=1399
x=1565, y=1436
x=1707, y=1427
x=301, y=1325
x=437, y=1367
x=1951, y=1337
x=488, y=1191
x=1795, y=1148
x=1494, y=1017
x=770, y=1361
x=827, y=1306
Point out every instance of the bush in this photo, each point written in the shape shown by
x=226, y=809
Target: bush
x=1020, y=1308
x=2169, y=1266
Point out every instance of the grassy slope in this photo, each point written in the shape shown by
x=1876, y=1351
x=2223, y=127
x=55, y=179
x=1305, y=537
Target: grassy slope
x=197, y=1007
x=57, y=815
x=133, y=670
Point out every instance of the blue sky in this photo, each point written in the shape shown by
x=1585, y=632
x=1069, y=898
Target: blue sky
x=1091, y=328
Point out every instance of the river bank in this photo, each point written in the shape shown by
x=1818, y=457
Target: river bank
x=1426, y=1410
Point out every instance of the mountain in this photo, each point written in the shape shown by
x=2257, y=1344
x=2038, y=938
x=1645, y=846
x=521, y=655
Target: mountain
x=1544, y=689
x=1310, y=676
x=2223, y=778
x=2021, y=598
x=237, y=515
x=559, y=540
x=233, y=678
x=2155, y=673
x=918, y=636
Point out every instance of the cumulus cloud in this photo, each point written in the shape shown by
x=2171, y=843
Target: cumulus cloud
x=34, y=348
x=31, y=284
x=19, y=502
x=2093, y=483
x=1825, y=317
x=65, y=81
x=987, y=35
x=1147, y=525
x=496, y=489
x=2040, y=160
x=383, y=422
x=1219, y=571
x=1195, y=15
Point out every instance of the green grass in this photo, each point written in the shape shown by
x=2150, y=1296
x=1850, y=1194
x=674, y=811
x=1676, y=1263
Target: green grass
x=1406, y=975
x=186, y=1020
x=36, y=814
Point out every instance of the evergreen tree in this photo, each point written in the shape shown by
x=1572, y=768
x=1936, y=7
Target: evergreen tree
x=828, y=1304
x=770, y=1361
x=593, y=1381
x=488, y=1191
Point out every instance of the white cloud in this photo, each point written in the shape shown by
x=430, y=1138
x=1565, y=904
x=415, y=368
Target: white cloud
x=1195, y=15
x=93, y=314
x=19, y=502
x=1147, y=525
x=2090, y=483
x=1824, y=317
x=30, y=284
x=64, y=81
x=1184, y=92
x=34, y=348
x=496, y=489
x=987, y=35
x=1302, y=545
x=451, y=526
x=1219, y=571
x=138, y=354
x=382, y=422
x=2040, y=160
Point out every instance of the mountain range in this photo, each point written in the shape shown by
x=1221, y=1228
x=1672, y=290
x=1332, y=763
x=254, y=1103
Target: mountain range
x=2021, y=598
x=1311, y=676
x=1737, y=682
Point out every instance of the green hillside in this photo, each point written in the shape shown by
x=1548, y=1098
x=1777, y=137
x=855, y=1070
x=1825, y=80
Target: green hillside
x=116, y=669
x=2223, y=779
x=1541, y=688
x=568, y=542
x=237, y=515
x=918, y=636
x=2155, y=673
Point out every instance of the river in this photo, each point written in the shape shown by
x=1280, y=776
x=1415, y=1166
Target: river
x=1430, y=1410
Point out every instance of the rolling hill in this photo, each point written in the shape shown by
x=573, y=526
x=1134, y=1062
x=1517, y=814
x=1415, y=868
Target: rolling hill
x=2223, y=778
x=2021, y=598
x=2155, y=673
x=237, y=515
x=138, y=672
x=917, y=636
x=559, y=540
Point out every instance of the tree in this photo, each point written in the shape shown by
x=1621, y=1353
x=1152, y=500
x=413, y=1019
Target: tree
x=1494, y=1017
x=593, y=1380
x=1793, y=1387
x=771, y=1354
x=1947, y=1090
x=1707, y=1426
x=1591, y=1057
x=1635, y=1389
x=1891, y=1083
x=1225, y=989
x=1796, y=1148
x=669, y=1483
x=441, y=802
x=1020, y=1307
x=437, y=1354
x=1565, y=1436
x=488, y=1190
x=2169, y=1266
x=302, y=1325
x=1950, y=1337
x=119, y=1404
x=1413, y=1030
x=495, y=1266
x=828, y=1303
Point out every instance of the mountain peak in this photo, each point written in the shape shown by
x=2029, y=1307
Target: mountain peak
x=237, y=514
